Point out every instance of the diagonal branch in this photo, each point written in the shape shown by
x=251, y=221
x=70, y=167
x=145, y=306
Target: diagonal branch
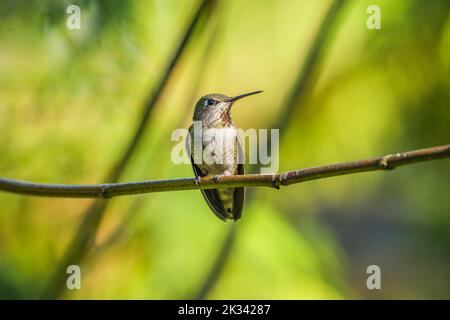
x=305, y=75
x=212, y=26
x=109, y=190
x=93, y=216
x=119, y=168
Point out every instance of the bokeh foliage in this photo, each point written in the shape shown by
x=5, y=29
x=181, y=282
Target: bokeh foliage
x=69, y=101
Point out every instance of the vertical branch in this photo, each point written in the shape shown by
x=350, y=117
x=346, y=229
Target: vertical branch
x=297, y=90
x=92, y=218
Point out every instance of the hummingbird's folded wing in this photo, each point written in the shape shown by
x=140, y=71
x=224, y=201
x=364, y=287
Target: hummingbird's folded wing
x=211, y=195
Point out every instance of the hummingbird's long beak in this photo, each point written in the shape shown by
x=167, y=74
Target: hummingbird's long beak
x=233, y=99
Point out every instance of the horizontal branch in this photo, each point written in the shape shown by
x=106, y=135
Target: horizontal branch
x=109, y=190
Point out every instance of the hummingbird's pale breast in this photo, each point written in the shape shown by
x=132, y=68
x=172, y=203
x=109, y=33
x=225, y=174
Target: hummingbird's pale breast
x=220, y=151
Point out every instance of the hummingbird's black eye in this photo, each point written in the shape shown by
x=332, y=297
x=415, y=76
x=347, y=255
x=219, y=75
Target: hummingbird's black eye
x=210, y=102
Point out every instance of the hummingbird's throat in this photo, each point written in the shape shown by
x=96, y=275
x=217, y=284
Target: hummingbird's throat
x=225, y=116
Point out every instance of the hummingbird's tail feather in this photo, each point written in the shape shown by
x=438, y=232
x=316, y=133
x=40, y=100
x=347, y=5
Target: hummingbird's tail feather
x=217, y=199
x=213, y=200
x=238, y=203
x=215, y=203
x=211, y=196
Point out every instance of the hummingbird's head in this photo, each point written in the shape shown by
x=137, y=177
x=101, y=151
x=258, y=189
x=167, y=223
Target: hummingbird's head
x=216, y=107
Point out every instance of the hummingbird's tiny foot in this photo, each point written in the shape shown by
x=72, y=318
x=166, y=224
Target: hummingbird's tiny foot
x=197, y=181
x=384, y=162
x=283, y=179
x=274, y=182
x=216, y=178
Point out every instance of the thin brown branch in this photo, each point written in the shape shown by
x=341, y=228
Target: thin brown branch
x=109, y=190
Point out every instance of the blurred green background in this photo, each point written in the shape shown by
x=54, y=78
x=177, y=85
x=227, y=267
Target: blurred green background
x=70, y=101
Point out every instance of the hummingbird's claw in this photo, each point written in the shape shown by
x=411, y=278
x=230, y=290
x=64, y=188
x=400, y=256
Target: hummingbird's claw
x=197, y=181
x=274, y=182
x=283, y=179
x=216, y=178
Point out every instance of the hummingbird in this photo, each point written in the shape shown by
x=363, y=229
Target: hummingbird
x=216, y=151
